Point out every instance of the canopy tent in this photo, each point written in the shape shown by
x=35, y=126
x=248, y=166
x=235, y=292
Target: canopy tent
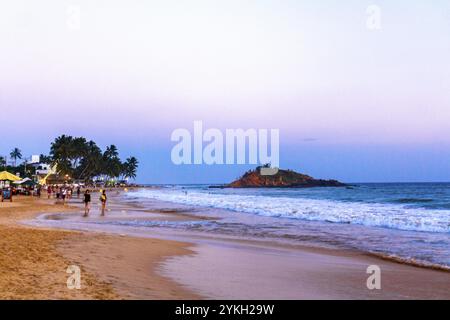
x=6, y=176
x=25, y=182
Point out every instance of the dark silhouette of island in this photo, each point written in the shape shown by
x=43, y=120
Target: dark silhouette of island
x=282, y=179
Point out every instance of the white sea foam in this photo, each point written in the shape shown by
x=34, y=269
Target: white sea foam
x=375, y=215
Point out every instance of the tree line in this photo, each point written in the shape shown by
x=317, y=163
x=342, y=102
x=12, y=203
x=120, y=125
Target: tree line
x=84, y=160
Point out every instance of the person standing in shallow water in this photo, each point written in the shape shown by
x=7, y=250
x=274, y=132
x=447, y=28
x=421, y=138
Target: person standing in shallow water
x=103, y=199
x=87, y=203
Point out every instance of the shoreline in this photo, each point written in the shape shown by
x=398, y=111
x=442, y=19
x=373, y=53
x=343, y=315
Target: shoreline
x=248, y=270
x=404, y=237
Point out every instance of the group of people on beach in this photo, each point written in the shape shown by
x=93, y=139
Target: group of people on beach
x=65, y=193
x=87, y=202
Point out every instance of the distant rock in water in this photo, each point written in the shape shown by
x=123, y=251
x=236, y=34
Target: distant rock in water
x=282, y=179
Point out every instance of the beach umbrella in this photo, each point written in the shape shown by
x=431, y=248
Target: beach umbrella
x=6, y=176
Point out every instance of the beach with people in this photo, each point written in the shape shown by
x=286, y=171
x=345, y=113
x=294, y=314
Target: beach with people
x=156, y=249
x=34, y=261
x=224, y=150
x=74, y=225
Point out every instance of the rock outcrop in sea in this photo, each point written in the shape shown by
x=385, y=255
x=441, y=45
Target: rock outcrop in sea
x=282, y=179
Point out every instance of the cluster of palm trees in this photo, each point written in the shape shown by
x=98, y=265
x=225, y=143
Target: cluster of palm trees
x=84, y=160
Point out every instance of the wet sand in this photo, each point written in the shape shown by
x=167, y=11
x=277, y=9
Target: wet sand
x=249, y=271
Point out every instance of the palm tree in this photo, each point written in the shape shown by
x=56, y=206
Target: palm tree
x=16, y=154
x=67, y=152
x=112, y=166
x=45, y=159
x=91, y=164
x=111, y=152
x=129, y=168
x=60, y=152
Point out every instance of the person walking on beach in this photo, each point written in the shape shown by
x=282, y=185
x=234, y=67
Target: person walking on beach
x=64, y=195
x=87, y=203
x=103, y=199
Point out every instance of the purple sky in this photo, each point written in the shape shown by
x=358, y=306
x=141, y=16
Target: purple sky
x=133, y=71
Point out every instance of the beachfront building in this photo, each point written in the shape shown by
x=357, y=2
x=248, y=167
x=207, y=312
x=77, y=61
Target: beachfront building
x=43, y=171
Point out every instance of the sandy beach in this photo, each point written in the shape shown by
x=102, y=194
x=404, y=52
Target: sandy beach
x=33, y=263
x=233, y=151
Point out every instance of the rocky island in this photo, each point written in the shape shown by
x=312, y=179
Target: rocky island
x=282, y=179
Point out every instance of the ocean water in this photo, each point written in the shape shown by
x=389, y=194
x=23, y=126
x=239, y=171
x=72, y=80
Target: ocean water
x=409, y=222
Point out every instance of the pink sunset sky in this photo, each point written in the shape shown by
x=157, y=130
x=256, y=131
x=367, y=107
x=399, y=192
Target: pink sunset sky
x=130, y=72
